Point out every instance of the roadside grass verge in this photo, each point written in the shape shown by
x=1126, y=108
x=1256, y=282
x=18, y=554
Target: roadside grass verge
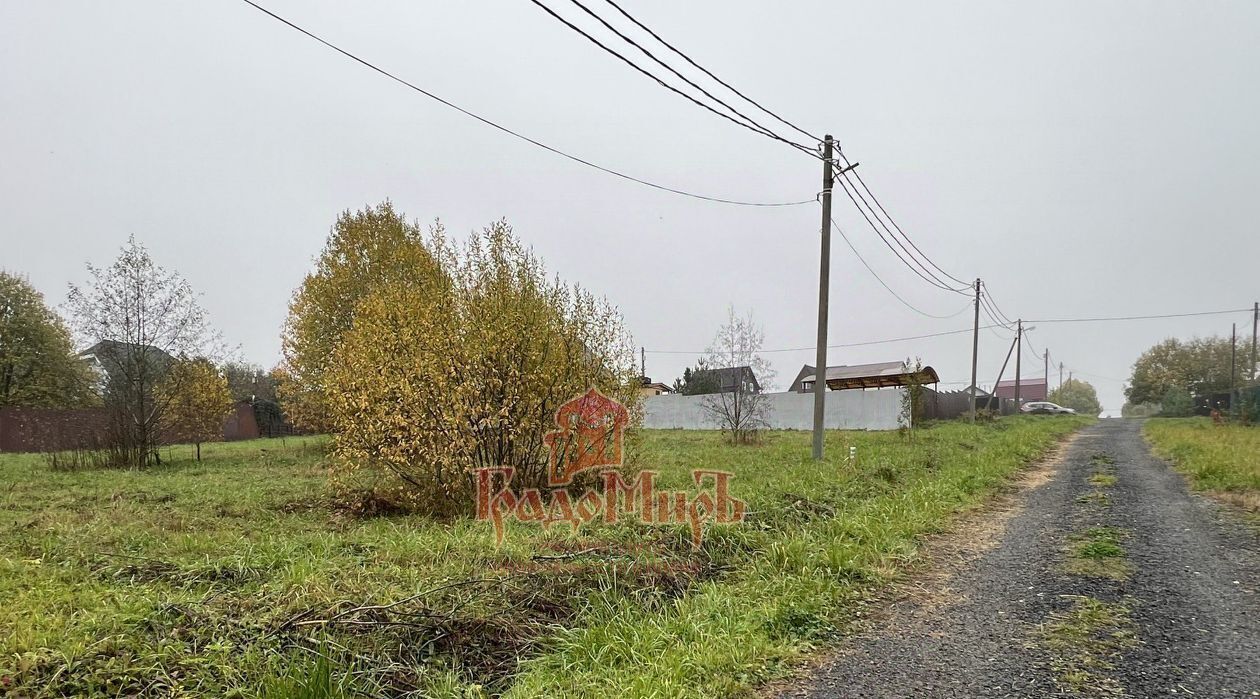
x=1085, y=642
x=241, y=575
x=1097, y=552
x=1219, y=459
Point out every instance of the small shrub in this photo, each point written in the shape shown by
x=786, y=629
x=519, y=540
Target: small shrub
x=465, y=368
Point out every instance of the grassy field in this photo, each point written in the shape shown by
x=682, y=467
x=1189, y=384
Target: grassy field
x=240, y=575
x=1221, y=459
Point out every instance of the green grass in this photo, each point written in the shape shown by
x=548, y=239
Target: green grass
x=240, y=576
x=1217, y=458
x=1097, y=497
x=1085, y=642
x=1097, y=552
x=1102, y=480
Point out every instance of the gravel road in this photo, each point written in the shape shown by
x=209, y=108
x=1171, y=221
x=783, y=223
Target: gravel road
x=1188, y=597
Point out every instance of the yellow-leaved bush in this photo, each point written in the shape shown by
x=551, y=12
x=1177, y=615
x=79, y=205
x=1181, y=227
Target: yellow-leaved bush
x=464, y=366
x=196, y=401
x=366, y=249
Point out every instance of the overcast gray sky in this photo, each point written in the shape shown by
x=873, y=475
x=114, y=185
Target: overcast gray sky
x=1084, y=158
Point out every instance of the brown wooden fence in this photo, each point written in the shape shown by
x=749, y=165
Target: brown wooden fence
x=947, y=405
x=47, y=429
x=42, y=429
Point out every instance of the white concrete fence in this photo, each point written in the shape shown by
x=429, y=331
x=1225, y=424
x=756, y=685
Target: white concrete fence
x=877, y=409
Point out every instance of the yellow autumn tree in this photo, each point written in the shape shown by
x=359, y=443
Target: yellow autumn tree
x=196, y=399
x=467, y=370
x=366, y=249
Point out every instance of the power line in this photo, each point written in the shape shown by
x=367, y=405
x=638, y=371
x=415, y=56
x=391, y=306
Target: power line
x=931, y=277
x=900, y=255
x=895, y=295
x=854, y=196
x=757, y=129
x=509, y=131
x=858, y=176
x=671, y=69
x=704, y=70
x=851, y=344
x=1096, y=376
x=993, y=303
x=993, y=313
x=1150, y=317
x=931, y=272
x=989, y=312
x=1029, y=346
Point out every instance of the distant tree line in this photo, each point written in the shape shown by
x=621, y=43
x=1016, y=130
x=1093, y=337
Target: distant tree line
x=1168, y=377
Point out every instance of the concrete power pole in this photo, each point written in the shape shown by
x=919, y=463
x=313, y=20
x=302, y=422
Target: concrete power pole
x=1233, y=364
x=1060, y=376
x=1001, y=373
x=824, y=280
x=643, y=362
x=975, y=350
x=1047, y=357
x=1019, y=352
x=1255, y=321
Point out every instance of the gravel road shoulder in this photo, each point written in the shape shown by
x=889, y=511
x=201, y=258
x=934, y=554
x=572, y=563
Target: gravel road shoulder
x=1107, y=579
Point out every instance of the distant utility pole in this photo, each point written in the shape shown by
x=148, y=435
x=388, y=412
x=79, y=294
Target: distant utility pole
x=1047, y=351
x=1019, y=352
x=824, y=280
x=975, y=350
x=1233, y=363
x=1255, y=321
x=643, y=362
x=1060, y=376
x=1001, y=373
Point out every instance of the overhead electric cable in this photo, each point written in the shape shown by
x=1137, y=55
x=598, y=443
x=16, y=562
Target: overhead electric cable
x=895, y=295
x=900, y=255
x=515, y=134
x=755, y=129
x=858, y=176
x=1150, y=317
x=935, y=274
x=749, y=120
x=841, y=346
x=989, y=295
x=932, y=270
x=993, y=313
x=704, y=70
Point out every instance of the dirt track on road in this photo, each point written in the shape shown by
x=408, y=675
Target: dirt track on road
x=1109, y=579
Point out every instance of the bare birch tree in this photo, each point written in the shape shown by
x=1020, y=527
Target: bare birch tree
x=136, y=317
x=739, y=406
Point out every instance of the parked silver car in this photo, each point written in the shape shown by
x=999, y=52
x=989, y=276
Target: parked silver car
x=1042, y=407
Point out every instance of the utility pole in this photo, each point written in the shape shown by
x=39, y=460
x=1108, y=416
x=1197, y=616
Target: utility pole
x=1233, y=371
x=975, y=350
x=1047, y=351
x=1019, y=352
x=643, y=362
x=824, y=280
x=1060, y=376
x=1255, y=321
x=1001, y=372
